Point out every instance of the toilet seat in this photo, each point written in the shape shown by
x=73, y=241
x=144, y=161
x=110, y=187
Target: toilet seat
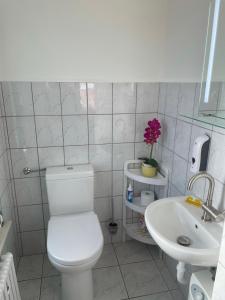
x=74, y=240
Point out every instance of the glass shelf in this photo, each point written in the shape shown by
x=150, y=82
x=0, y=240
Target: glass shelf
x=209, y=119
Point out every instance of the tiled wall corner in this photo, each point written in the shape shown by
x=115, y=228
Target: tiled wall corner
x=176, y=143
x=7, y=199
x=68, y=123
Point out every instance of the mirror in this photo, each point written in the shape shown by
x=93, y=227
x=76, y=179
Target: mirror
x=212, y=91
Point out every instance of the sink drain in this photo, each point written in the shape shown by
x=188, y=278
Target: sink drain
x=184, y=241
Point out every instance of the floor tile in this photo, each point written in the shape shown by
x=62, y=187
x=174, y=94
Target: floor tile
x=155, y=251
x=108, y=284
x=177, y=295
x=48, y=269
x=30, y=267
x=142, y=278
x=158, y=296
x=51, y=288
x=132, y=251
x=108, y=257
x=30, y=289
x=167, y=276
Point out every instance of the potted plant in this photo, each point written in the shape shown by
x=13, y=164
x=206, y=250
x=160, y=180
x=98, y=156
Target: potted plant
x=152, y=133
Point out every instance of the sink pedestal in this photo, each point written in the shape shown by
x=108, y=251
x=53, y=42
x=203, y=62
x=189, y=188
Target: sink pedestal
x=181, y=272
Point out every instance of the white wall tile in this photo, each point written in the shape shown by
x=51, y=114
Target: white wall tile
x=46, y=215
x=44, y=190
x=121, y=153
x=218, y=195
x=216, y=157
x=76, y=155
x=52, y=156
x=75, y=130
x=102, y=207
x=33, y=242
x=46, y=97
x=7, y=204
x=4, y=172
x=168, y=132
x=187, y=98
x=182, y=139
x=2, y=109
x=3, y=144
x=118, y=207
x=100, y=129
x=172, y=98
x=117, y=183
x=28, y=191
x=124, y=98
x=17, y=98
x=157, y=152
x=147, y=97
x=167, y=159
x=103, y=184
x=161, y=119
x=21, y=131
x=99, y=98
x=141, y=124
x=123, y=128
x=101, y=157
x=162, y=97
x=49, y=131
x=221, y=104
x=22, y=158
x=213, y=98
x=179, y=173
x=31, y=217
x=141, y=150
x=73, y=98
x=173, y=192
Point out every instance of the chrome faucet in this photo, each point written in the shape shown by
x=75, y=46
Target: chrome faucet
x=207, y=206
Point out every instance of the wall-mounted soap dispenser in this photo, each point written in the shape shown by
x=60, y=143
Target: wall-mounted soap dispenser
x=200, y=154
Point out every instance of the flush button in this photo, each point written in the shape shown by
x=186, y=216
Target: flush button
x=70, y=168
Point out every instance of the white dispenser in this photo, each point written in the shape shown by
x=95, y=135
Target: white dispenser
x=200, y=154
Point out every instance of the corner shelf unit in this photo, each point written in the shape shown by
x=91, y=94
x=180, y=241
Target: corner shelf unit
x=132, y=171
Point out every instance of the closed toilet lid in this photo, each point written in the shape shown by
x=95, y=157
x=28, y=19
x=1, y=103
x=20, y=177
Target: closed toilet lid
x=74, y=239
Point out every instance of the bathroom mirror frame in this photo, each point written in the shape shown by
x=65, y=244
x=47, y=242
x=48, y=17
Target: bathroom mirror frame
x=211, y=101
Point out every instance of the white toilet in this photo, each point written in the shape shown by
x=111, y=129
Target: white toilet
x=75, y=239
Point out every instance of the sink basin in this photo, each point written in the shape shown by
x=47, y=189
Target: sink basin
x=169, y=218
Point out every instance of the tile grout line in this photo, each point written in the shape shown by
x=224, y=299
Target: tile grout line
x=112, y=162
x=36, y=137
x=63, y=142
x=120, y=270
x=87, y=116
x=12, y=173
x=41, y=276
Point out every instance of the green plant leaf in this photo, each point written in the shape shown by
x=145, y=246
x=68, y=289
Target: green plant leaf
x=152, y=162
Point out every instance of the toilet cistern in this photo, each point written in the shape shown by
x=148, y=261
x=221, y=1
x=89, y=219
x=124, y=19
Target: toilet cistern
x=75, y=240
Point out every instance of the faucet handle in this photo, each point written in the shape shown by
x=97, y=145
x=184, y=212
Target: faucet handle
x=215, y=214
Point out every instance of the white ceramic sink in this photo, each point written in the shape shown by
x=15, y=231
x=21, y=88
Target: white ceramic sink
x=169, y=218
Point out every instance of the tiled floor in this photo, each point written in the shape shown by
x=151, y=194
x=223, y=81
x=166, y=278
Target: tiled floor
x=128, y=270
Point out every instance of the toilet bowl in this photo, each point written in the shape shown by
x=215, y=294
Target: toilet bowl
x=74, y=240
x=74, y=245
